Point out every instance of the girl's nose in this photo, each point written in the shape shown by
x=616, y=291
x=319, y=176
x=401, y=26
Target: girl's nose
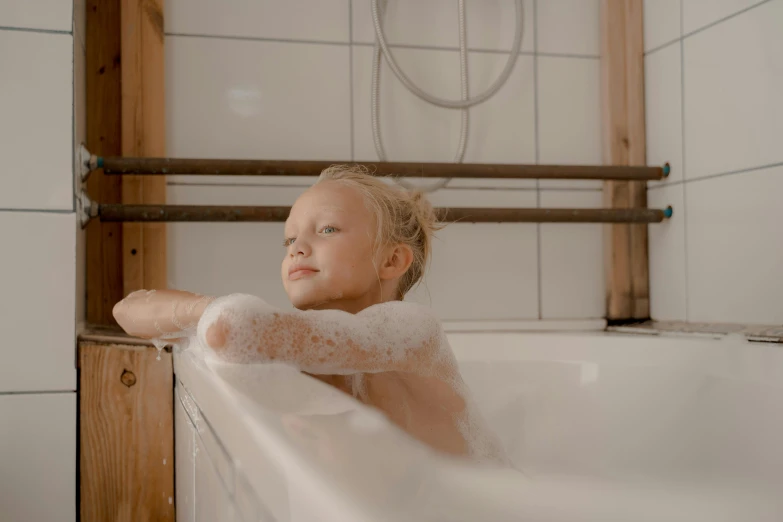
x=300, y=247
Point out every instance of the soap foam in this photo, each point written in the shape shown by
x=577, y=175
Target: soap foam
x=392, y=336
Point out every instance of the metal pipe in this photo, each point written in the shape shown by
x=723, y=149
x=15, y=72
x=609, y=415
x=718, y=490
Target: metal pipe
x=205, y=213
x=234, y=167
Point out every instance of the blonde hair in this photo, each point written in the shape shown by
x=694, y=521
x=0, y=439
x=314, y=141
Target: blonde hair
x=402, y=216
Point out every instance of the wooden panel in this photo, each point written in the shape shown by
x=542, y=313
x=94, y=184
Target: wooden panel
x=126, y=434
x=143, y=134
x=103, y=240
x=637, y=154
x=622, y=74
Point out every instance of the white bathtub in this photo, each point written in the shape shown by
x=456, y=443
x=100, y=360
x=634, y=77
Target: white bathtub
x=603, y=427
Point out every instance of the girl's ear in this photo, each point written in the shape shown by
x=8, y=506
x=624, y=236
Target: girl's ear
x=396, y=262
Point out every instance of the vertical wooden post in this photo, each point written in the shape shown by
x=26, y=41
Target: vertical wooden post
x=126, y=433
x=622, y=74
x=104, y=240
x=126, y=414
x=143, y=134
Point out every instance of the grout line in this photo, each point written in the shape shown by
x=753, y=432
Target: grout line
x=38, y=210
x=483, y=50
x=716, y=22
x=702, y=29
x=41, y=392
x=711, y=176
x=539, y=289
x=662, y=46
x=255, y=39
x=370, y=44
x=682, y=132
x=566, y=55
x=350, y=73
x=31, y=30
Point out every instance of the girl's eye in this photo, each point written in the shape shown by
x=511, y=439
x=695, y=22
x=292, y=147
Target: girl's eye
x=329, y=230
x=288, y=241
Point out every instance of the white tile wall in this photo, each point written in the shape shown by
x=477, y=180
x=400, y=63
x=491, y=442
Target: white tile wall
x=36, y=114
x=37, y=457
x=222, y=101
x=735, y=252
x=667, y=261
x=319, y=20
x=572, y=260
x=502, y=130
x=490, y=23
x=717, y=259
x=37, y=310
x=52, y=15
x=663, y=110
x=661, y=22
x=316, y=105
x=41, y=117
x=569, y=27
x=483, y=271
x=697, y=14
x=733, y=81
x=569, y=116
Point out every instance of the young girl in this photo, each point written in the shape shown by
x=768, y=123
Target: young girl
x=354, y=246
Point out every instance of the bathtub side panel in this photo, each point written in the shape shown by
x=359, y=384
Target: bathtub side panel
x=184, y=452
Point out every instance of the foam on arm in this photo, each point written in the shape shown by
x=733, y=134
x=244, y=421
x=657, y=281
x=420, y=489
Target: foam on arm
x=392, y=336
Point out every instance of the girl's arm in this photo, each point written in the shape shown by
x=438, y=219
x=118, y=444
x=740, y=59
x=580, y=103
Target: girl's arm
x=152, y=314
x=393, y=336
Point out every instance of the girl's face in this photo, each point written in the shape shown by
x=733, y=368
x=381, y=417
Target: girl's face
x=329, y=241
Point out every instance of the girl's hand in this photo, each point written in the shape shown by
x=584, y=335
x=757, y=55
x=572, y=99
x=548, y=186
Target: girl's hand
x=152, y=314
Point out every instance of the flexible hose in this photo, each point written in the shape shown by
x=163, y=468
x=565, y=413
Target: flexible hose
x=380, y=46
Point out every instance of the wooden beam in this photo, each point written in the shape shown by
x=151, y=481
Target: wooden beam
x=637, y=154
x=622, y=74
x=103, y=240
x=126, y=433
x=143, y=134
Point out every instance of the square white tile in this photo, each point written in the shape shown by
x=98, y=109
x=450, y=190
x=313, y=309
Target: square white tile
x=502, y=130
x=666, y=247
x=572, y=262
x=735, y=253
x=569, y=116
x=38, y=457
x=661, y=22
x=663, y=110
x=490, y=23
x=37, y=310
x=257, y=100
x=51, y=15
x=733, y=81
x=699, y=13
x=36, y=125
x=569, y=27
x=310, y=20
x=482, y=272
